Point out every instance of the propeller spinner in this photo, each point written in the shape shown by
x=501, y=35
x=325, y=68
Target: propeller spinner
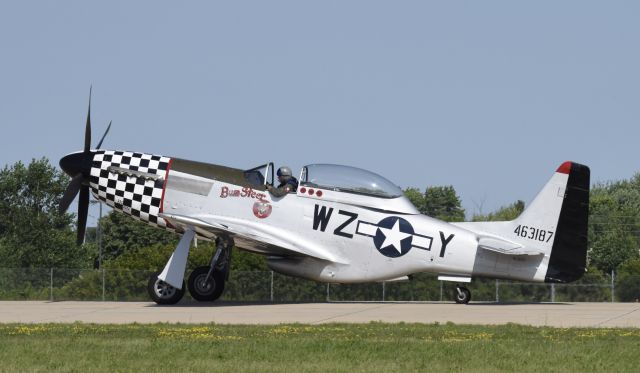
x=78, y=166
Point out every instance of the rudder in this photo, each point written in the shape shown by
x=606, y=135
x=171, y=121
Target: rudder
x=568, y=258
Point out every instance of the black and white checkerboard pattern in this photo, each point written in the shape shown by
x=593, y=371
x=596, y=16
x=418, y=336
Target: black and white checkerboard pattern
x=137, y=196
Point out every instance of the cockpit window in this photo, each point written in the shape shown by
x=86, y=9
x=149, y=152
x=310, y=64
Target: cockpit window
x=348, y=179
x=255, y=176
x=259, y=175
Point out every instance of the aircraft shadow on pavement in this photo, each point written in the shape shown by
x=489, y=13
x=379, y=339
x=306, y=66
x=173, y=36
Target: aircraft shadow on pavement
x=191, y=304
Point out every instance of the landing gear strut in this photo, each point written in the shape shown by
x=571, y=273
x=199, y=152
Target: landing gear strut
x=206, y=283
x=462, y=295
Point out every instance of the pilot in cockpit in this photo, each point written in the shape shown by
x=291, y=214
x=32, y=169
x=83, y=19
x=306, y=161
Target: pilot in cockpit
x=288, y=183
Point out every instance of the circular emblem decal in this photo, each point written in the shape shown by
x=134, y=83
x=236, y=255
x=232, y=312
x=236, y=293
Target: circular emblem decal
x=262, y=209
x=393, y=237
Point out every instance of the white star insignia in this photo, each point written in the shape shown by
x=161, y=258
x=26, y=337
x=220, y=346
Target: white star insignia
x=393, y=237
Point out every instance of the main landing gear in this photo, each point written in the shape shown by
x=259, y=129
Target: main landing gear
x=462, y=295
x=205, y=283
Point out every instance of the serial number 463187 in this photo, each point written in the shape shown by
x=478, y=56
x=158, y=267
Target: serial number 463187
x=533, y=233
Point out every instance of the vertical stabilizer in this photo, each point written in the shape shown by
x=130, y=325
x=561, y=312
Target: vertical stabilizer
x=553, y=227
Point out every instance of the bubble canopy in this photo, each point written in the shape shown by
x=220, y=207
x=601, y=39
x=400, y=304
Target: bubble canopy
x=348, y=179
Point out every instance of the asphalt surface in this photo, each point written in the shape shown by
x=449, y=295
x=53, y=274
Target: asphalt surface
x=539, y=314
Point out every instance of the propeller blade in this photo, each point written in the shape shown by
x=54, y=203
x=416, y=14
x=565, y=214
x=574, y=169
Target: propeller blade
x=87, y=130
x=83, y=211
x=103, y=136
x=70, y=193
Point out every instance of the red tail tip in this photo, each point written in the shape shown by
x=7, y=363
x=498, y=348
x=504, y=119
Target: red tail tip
x=564, y=168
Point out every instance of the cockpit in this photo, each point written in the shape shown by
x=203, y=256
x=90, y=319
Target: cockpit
x=353, y=185
x=349, y=180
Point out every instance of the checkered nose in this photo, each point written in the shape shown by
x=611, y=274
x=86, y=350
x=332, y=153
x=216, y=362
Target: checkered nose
x=131, y=182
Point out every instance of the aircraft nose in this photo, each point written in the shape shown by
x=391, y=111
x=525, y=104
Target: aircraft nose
x=77, y=163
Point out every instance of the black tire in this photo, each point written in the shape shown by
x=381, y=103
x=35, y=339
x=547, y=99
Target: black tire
x=209, y=291
x=163, y=293
x=463, y=296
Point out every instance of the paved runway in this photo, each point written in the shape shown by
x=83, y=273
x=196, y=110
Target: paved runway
x=550, y=314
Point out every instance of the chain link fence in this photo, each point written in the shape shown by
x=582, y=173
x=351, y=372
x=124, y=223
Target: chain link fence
x=55, y=284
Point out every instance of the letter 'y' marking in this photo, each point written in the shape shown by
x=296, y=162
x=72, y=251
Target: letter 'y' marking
x=445, y=242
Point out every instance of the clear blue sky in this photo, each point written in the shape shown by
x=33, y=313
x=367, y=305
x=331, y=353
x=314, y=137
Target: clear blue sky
x=489, y=97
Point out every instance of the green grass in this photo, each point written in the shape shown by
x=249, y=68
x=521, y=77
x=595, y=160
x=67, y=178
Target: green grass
x=327, y=348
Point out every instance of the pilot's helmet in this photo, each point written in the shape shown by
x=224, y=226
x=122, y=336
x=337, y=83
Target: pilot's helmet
x=284, y=171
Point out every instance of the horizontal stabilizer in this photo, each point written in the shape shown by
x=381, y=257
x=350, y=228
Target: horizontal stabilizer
x=505, y=247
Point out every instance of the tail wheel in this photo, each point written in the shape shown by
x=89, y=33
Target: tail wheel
x=163, y=293
x=205, y=289
x=462, y=295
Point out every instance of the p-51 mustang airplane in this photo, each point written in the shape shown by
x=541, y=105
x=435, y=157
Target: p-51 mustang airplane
x=342, y=225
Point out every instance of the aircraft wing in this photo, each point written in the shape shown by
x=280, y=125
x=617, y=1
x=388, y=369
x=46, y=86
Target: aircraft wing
x=250, y=236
